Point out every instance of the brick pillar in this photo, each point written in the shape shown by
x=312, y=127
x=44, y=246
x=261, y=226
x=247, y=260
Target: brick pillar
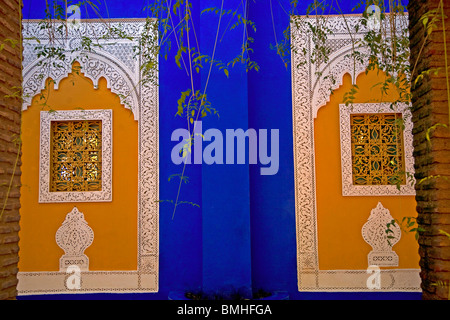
x=430, y=107
x=10, y=121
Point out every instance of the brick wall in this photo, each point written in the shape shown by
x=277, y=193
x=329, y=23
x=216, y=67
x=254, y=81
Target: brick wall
x=430, y=107
x=10, y=116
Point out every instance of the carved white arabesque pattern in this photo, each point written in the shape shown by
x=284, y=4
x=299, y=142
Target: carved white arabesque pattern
x=348, y=188
x=74, y=237
x=124, y=51
x=374, y=233
x=310, y=92
x=303, y=136
x=332, y=76
x=311, y=87
x=94, y=29
x=94, y=66
x=105, y=195
x=114, y=61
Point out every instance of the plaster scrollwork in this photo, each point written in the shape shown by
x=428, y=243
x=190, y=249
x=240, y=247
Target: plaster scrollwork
x=341, y=63
x=95, y=29
x=312, y=84
x=113, y=60
x=120, y=64
x=348, y=188
x=374, y=233
x=105, y=195
x=74, y=237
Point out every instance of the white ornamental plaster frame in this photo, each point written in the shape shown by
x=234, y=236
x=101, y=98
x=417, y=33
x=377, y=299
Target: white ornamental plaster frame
x=348, y=188
x=115, y=61
x=309, y=93
x=105, y=195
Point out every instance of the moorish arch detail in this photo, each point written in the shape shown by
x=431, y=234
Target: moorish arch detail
x=312, y=83
x=93, y=65
x=119, y=60
x=332, y=75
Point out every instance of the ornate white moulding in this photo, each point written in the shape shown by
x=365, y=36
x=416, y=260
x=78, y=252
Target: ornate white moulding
x=45, y=195
x=115, y=60
x=374, y=233
x=312, y=84
x=74, y=237
x=348, y=188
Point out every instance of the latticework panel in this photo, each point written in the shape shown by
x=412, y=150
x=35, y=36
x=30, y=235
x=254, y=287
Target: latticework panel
x=76, y=156
x=377, y=149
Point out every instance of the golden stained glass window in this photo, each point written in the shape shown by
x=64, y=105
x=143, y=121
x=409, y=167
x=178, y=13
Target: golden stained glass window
x=377, y=149
x=76, y=158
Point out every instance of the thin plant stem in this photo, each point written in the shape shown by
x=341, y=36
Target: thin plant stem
x=198, y=113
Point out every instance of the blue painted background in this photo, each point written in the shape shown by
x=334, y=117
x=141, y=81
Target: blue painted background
x=243, y=236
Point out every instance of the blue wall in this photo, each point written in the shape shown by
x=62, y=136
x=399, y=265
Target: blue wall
x=244, y=234
x=226, y=204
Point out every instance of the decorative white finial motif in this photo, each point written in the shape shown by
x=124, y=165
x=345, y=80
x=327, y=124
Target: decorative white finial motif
x=374, y=233
x=74, y=237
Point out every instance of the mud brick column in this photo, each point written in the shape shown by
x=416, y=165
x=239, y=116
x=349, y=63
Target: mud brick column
x=10, y=121
x=432, y=157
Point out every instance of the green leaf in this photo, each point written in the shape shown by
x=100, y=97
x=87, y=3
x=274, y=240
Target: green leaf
x=444, y=233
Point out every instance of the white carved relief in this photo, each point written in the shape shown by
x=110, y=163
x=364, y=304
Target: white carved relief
x=341, y=63
x=348, y=188
x=74, y=237
x=94, y=66
x=374, y=233
x=114, y=60
x=120, y=64
x=311, y=87
x=310, y=92
x=105, y=195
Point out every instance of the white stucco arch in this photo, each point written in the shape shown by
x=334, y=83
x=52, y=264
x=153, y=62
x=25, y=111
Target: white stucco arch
x=94, y=65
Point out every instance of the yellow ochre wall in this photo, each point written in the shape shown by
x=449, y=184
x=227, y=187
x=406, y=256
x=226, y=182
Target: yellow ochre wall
x=340, y=219
x=114, y=223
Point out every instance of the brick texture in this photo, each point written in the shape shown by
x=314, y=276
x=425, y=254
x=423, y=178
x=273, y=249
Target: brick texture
x=10, y=121
x=432, y=158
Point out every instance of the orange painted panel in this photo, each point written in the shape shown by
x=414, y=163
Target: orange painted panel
x=340, y=219
x=114, y=223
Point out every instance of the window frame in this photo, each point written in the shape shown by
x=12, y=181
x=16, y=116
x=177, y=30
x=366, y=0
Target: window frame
x=46, y=119
x=348, y=188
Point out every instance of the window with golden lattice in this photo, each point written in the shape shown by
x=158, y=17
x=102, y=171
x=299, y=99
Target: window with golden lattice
x=377, y=149
x=76, y=159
